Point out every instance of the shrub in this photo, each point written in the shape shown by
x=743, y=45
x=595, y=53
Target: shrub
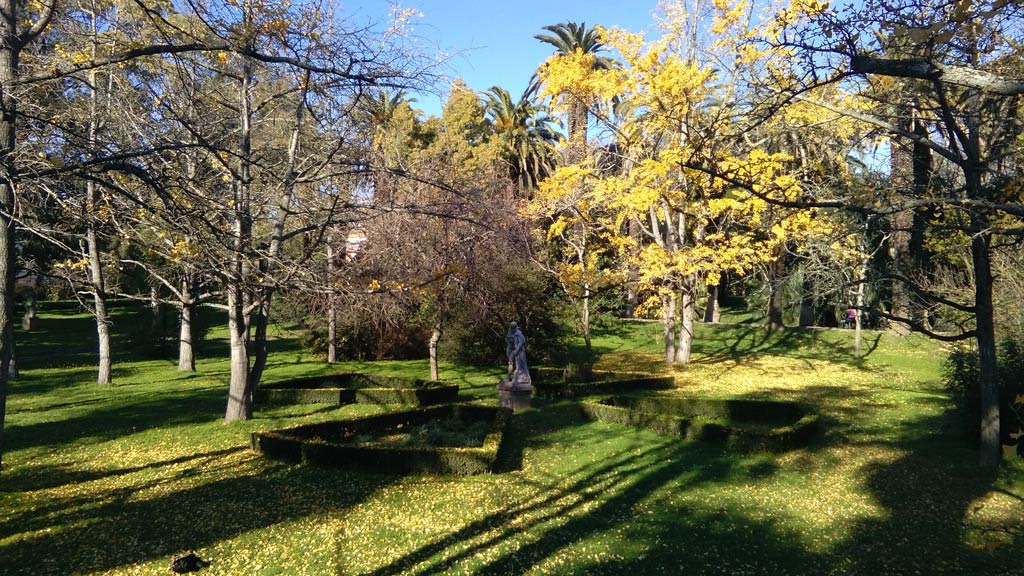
x=737, y=424
x=356, y=388
x=565, y=383
x=334, y=443
x=960, y=376
x=521, y=294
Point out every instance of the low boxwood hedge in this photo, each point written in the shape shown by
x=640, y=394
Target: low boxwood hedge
x=356, y=388
x=738, y=424
x=331, y=443
x=557, y=383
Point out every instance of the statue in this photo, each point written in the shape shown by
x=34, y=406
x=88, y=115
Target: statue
x=518, y=372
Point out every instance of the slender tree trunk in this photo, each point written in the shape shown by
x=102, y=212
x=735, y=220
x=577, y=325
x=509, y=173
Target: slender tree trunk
x=668, y=325
x=156, y=322
x=776, y=271
x=684, y=346
x=858, y=321
x=11, y=44
x=28, y=319
x=435, y=337
x=239, y=394
x=990, y=446
x=103, y=375
x=585, y=316
x=186, y=349
x=8, y=76
x=713, y=311
x=12, y=368
x=332, y=299
x=258, y=348
x=808, y=316
x=633, y=271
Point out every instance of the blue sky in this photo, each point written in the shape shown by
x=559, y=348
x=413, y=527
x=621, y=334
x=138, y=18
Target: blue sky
x=493, y=42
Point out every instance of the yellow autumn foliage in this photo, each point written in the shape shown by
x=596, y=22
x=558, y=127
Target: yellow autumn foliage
x=705, y=209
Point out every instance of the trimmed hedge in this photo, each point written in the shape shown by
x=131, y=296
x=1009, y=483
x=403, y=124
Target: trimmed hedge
x=752, y=425
x=352, y=388
x=330, y=443
x=557, y=383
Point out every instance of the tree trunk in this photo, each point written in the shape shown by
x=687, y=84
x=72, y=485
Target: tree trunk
x=239, y=391
x=12, y=367
x=668, y=324
x=28, y=320
x=239, y=395
x=684, y=345
x=899, y=250
x=858, y=321
x=156, y=322
x=808, y=316
x=585, y=316
x=991, y=449
x=435, y=337
x=103, y=375
x=633, y=270
x=8, y=76
x=186, y=350
x=713, y=311
x=332, y=312
x=776, y=271
x=578, y=118
x=258, y=347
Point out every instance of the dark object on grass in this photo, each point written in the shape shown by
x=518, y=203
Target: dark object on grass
x=190, y=563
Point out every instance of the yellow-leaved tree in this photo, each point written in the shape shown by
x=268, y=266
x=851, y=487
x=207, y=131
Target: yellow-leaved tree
x=687, y=190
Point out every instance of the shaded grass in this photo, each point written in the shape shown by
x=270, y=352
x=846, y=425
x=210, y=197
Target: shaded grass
x=116, y=480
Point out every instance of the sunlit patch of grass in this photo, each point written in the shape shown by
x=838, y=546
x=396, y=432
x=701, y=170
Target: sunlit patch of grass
x=117, y=480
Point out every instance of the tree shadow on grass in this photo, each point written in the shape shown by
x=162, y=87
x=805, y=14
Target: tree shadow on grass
x=68, y=509
x=601, y=501
x=174, y=408
x=741, y=343
x=927, y=493
x=121, y=531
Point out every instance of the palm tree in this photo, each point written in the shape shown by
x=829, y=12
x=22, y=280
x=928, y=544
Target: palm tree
x=378, y=112
x=526, y=134
x=569, y=38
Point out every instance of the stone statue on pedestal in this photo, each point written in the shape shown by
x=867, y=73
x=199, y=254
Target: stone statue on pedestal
x=518, y=372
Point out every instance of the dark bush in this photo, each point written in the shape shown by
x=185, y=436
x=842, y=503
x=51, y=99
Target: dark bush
x=476, y=333
x=960, y=376
x=563, y=383
x=331, y=443
x=737, y=424
x=356, y=388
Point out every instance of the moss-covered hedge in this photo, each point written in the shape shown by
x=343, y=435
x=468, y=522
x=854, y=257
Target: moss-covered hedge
x=737, y=424
x=557, y=383
x=356, y=388
x=331, y=443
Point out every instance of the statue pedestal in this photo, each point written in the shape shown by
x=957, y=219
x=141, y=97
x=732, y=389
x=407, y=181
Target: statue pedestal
x=514, y=395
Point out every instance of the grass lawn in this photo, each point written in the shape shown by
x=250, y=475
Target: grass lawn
x=118, y=479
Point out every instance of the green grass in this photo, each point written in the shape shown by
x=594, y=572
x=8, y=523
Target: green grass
x=117, y=480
